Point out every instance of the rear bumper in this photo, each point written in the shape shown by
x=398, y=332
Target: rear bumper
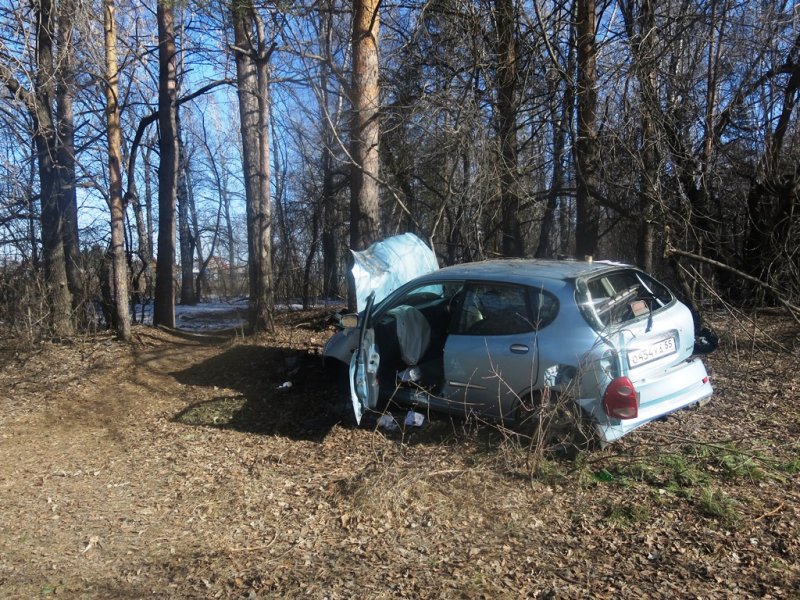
x=683, y=385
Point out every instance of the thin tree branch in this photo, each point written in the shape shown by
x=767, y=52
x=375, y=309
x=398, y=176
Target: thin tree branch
x=794, y=311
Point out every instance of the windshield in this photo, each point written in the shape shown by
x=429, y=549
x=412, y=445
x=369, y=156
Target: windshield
x=618, y=297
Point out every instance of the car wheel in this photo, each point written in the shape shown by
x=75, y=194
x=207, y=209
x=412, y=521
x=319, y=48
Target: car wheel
x=552, y=423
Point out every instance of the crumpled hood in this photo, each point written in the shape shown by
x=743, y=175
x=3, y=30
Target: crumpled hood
x=388, y=264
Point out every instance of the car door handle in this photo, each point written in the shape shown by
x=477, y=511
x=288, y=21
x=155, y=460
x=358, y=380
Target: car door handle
x=519, y=348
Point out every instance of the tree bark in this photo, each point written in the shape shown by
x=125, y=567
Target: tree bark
x=39, y=102
x=252, y=62
x=194, y=224
x=639, y=16
x=309, y=263
x=185, y=237
x=330, y=224
x=562, y=121
x=364, y=131
x=513, y=243
x=46, y=138
x=330, y=208
x=148, y=202
x=65, y=160
x=164, y=305
x=586, y=157
x=31, y=203
x=120, y=294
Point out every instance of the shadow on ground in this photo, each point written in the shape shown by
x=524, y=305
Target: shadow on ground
x=253, y=396
x=248, y=379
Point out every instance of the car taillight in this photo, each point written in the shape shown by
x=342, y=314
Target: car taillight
x=620, y=401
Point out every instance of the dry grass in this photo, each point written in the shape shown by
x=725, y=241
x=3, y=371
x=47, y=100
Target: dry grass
x=175, y=468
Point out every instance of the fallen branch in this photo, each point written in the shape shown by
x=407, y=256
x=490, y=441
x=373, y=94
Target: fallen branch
x=233, y=550
x=770, y=513
x=794, y=310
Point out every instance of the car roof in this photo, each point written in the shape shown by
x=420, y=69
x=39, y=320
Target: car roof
x=523, y=271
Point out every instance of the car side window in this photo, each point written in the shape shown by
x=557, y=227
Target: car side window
x=493, y=309
x=544, y=307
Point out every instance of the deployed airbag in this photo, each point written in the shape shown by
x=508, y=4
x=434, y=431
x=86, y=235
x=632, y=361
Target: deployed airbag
x=386, y=265
x=413, y=333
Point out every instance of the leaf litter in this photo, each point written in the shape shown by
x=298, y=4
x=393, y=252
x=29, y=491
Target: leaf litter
x=174, y=467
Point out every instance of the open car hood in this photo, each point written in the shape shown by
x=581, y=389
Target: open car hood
x=386, y=265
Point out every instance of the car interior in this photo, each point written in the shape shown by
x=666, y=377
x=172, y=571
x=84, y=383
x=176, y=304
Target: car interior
x=411, y=335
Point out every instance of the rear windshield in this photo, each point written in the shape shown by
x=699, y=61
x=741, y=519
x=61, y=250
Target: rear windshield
x=618, y=297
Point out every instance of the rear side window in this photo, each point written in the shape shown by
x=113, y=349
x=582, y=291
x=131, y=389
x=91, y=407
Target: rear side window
x=502, y=309
x=544, y=307
x=620, y=296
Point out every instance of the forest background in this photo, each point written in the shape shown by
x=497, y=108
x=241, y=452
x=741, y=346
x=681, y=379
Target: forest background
x=154, y=152
x=168, y=151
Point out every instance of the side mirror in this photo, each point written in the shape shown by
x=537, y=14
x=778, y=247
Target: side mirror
x=349, y=321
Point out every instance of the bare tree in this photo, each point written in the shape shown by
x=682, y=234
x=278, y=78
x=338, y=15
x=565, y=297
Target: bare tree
x=186, y=239
x=364, y=129
x=639, y=17
x=114, y=134
x=513, y=243
x=330, y=110
x=164, y=305
x=773, y=197
x=65, y=160
x=217, y=162
x=586, y=147
x=252, y=55
x=560, y=78
x=51, y=63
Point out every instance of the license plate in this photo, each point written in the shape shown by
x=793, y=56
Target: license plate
x=652, y=352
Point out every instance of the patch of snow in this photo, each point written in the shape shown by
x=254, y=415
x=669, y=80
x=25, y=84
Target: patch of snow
x=204, y=316
x=218, y=314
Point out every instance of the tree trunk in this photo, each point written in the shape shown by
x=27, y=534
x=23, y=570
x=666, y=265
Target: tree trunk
x=252, y=60
x=330, y=225
x=120, y=294
x=55, y=271
x=364, y=131
x=46, y=138
x=312, y=252
x=68, y=200
x=330, y=208
x=148, y=203
x=639, y=16
x=773, y=197
x=561, y=125
x=229, y=233
x=185, y=237
x=586, y=151
x=31, y=202
x=202, y=261
x=513, y=243
x=221, y=183
x=164, y=305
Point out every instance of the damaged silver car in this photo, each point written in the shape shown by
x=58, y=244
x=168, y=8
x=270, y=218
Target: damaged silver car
x=496, y=338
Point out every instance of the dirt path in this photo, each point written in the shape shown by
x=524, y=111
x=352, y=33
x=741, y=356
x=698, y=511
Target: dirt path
x=179, y=470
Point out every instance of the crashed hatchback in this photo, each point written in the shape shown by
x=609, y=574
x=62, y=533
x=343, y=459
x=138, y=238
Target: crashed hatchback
x=497, y=338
